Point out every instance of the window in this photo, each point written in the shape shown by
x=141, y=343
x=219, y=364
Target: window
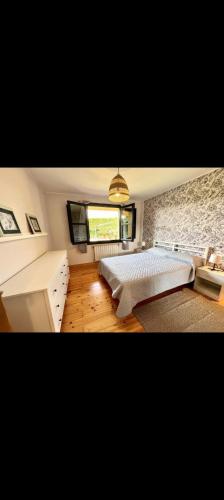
x=95, y=223
x=104, y=223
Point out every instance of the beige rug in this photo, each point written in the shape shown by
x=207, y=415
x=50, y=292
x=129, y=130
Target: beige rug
x=184, y=311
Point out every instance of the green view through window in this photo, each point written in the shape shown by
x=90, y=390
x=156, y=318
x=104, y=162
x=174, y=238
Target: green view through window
x=104, y=223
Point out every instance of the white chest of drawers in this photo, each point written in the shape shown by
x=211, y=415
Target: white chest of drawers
x=34, y=298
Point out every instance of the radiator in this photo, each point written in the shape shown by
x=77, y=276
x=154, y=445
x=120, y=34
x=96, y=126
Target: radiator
x=101, y=251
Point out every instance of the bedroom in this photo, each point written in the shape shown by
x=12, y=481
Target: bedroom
x=109, y=249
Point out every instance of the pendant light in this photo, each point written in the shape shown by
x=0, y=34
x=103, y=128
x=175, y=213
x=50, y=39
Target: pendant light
x=118, y=191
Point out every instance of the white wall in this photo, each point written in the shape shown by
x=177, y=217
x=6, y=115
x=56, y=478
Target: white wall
x=57, y=215
x=19, y=192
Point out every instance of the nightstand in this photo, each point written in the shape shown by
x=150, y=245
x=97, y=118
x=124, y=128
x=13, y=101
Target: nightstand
x=138, y=250
x=209, y=283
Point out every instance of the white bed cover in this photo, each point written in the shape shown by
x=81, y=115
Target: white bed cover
x=139, y=276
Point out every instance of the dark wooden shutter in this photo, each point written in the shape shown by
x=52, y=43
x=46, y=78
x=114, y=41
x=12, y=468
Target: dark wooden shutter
x=77, y=220
x=128, y=222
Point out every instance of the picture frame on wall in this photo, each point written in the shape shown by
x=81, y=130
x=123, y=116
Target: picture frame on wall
x=33, y=223
x=8, y=222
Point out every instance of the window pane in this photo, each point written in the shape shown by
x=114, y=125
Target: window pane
x=80, y=233
x=126, y=224
x=78, y=213
x=126, y=232
x=104, y=223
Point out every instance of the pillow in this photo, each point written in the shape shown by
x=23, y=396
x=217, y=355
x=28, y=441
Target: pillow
x=196, y=260
x=161, y=252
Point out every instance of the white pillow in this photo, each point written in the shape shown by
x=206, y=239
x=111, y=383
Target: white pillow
x=161, y=252
x=196, y=260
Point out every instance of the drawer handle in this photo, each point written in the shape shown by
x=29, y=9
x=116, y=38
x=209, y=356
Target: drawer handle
x=61, y=272
x=55, y=290
x=64, y=265
x=65, y=293
x=58, y=305
x=62, y=283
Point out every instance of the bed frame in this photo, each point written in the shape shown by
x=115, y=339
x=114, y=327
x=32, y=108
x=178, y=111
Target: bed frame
x=184, y=247
x=197, y=250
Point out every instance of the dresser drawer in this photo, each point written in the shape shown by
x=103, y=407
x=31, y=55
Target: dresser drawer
x=60, y=280
x=58, y=292
x=57, y=309
x=35, y=297
x=61, y=274
x=57, y=295
x=57, y=324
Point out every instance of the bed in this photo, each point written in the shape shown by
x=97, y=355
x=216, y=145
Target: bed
x=137, y=277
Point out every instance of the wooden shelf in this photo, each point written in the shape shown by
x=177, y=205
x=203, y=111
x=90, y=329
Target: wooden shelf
x=6, y=239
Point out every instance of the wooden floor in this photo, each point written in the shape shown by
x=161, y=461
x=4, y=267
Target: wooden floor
x=89, y=305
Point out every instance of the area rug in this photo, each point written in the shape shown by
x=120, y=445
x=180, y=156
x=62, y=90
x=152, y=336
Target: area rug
x=184, y=311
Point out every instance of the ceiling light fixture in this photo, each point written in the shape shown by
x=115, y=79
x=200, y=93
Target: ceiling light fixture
x=118, y=191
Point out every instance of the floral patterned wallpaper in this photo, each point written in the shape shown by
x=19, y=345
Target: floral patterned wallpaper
x=192, y=213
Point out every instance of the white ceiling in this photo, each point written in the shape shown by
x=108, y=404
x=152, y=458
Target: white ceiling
x=143, y=183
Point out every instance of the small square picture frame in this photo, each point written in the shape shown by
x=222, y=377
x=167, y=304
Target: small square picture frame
x=8, y=222
x=33, y=223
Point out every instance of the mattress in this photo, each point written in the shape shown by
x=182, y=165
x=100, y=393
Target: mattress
x=139, y=276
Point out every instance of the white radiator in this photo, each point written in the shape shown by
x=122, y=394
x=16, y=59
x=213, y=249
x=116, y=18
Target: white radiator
x=101, y=251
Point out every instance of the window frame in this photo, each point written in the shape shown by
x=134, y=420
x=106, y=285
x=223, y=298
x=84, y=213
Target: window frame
x=91, y=204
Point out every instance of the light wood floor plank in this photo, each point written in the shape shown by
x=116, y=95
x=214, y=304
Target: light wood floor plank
x=89, y=305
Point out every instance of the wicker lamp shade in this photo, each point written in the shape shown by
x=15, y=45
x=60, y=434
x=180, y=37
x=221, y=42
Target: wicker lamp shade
x=118, y=191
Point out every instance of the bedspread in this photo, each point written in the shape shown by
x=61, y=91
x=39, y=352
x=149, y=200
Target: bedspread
x=139, y=276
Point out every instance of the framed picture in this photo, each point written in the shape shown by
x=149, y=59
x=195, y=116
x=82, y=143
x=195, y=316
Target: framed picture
x=33, y=223
x=8, y=223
